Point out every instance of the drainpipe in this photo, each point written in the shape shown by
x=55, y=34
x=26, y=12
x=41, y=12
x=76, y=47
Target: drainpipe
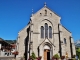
x=59, y=41
x=71, y=47
x=38, y=51
x=26, y=49
x=26, y=44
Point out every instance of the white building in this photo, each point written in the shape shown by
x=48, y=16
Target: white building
x=5, y=49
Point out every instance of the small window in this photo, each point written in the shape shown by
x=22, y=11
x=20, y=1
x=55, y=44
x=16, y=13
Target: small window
x=42, y=32
x=50, y=32
x=51, y=14
x=45, y=12
x=65, y=41
x=40, y=14
x=5, y=53
x=46, y=30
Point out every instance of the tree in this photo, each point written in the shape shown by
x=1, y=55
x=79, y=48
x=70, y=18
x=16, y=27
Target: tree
x=78, y=52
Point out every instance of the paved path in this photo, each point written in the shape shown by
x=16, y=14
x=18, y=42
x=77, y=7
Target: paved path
x=7, y=58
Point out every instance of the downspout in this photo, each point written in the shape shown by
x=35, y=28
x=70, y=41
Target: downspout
x=59, y=41
x=71, y=47
x=38, y=50
x=29, y=39
x=30, y=43
x=26, y=44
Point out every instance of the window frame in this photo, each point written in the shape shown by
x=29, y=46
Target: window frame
x=42, y=32
x=50, y=32
x=46, y=30
x=65, y=42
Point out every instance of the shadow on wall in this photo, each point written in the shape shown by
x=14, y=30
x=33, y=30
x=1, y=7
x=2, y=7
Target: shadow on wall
x=26, y=44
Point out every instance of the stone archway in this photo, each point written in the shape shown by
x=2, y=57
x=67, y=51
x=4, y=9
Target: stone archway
x=46, y=47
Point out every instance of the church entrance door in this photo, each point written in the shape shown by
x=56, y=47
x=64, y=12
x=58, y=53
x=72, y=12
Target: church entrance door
x=46, y=54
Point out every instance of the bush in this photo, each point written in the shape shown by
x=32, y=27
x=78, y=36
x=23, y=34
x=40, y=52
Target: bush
x=33, y=56
x=56, y=56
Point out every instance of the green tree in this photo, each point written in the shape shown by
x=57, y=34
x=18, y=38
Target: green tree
x=78, y=52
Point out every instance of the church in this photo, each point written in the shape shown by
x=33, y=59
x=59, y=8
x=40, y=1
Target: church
x=45, y=36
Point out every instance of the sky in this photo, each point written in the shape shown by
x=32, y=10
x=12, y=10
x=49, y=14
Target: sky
x=15, y=15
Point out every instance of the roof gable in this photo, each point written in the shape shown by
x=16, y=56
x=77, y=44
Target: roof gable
x=45, y=10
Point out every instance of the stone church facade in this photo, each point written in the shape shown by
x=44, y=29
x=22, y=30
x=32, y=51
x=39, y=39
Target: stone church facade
x=45, y=36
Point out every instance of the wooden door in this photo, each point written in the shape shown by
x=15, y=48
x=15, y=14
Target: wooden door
x=45, y=54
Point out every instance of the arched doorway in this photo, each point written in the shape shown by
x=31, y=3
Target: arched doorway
x=46, y=52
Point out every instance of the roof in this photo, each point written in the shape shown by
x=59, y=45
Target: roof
x=66, y=29
x=48, y=9
x=3, y=41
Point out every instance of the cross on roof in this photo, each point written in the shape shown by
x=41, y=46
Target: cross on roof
x=45, y=4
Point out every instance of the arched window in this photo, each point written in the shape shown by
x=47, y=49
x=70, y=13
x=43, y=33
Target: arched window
x=64, y=41
x=42, y=32
x=50, y=32
x=46, y=30
x=45, y=12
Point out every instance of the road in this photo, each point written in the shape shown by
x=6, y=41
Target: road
x=7, y=58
